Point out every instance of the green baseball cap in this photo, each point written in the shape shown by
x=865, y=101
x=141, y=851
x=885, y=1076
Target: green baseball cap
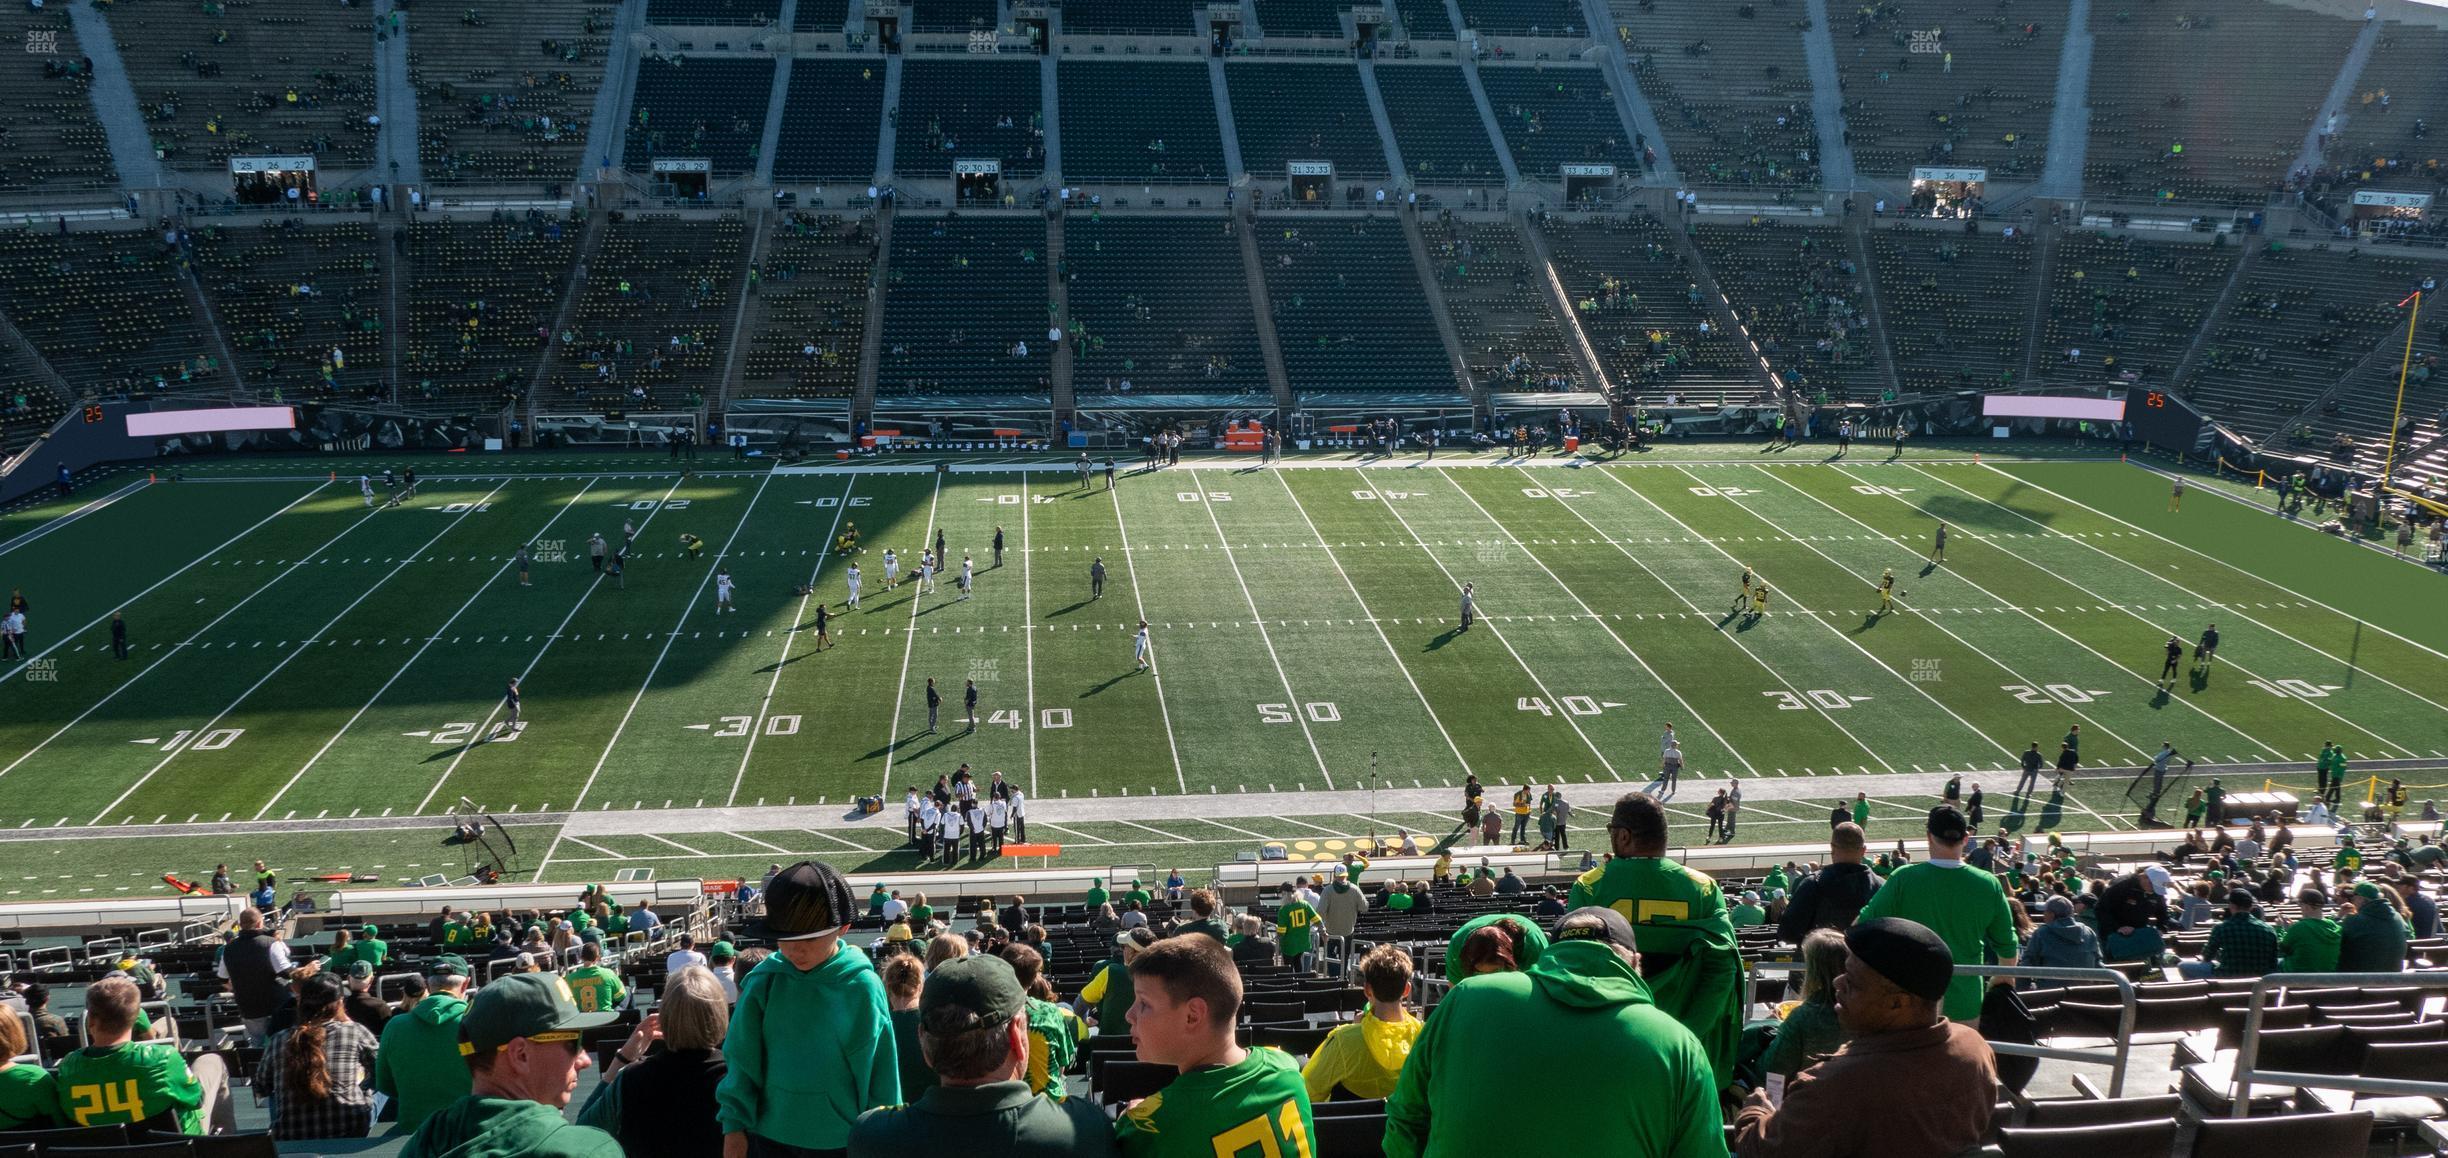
x=721, y=951
x=369, y=931
x=2367, y=890
x=980, y=983
x=448, y=965
x=536, y=1006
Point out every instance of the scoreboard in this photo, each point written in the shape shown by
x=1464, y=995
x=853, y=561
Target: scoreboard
x=2161, y=419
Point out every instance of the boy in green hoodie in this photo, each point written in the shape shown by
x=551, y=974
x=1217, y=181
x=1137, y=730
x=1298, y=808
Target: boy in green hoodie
x=419, y=1065
x=1227, y=1100
x=521, y=1040
x=811, y=1044
x=1585, y=1005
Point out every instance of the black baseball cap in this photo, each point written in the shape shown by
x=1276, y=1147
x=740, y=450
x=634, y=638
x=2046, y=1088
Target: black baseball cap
x=1947, y=823
x=1610, y=927
x=808, y=899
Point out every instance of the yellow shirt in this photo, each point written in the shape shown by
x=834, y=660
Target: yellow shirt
x=1365, y=1057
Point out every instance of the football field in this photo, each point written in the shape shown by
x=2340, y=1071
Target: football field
x=314, y=680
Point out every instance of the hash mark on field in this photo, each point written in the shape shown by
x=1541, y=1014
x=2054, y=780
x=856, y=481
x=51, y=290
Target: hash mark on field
x=1074, y=832
x=597, y=847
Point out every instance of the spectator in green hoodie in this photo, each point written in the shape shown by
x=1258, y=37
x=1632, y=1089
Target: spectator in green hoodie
x=522, y=1044
x=2310, y=942
x=1584, y=1004
x=811, y=1045
x=418, y=1064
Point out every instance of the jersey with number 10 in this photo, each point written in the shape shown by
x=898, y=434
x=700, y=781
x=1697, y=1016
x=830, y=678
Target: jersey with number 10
x=1256, y=1108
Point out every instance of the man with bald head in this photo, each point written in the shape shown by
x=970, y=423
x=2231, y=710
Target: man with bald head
x=1890, y=1001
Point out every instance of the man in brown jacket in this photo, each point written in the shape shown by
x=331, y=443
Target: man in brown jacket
x=1889, y=1000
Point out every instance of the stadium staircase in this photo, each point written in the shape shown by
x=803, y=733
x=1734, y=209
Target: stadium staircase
x=1435, y=293
x=114, y=102
x=608, y=132
x=1253, y=271
x=2218, y=310
x=1385, y=124
x=391, y=268
x=2380, y=361
x=590, y=240
x=2045, y=244
x=190, y=283
x=771, y=142
x=1630, y=103
x=871, y=341
x=2341, y=92
x=1049, y=99
x=1058, y=297
x=1233, y=168
x=760, y=237
x=1487, y=111
x=1858, y=243
x=1576, y=340
x=396, y=157
x=22, y=352
x=2069, y=139
x=1836, y=173
x=888, y=134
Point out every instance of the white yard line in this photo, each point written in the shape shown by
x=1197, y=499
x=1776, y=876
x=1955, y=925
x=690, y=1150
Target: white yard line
x=2230, y=566
x=1232, y=828
x=1155, y=668
x=789, y=635
x=676, y=844
x=838, y=840
x=1931, y=620
x=1028, y=634
x=1259, y=617
x=2026, y=613
x=249, y=597
x=1073, y=831
x=597, y=847
x=484, y=730
x=1382, y=637
x=63, y=519
x=909, y=643
x=1490, y=623
x=226, y=544
x=299, y=650
x=438, y=632
x=2155, y=626
x=1158, y=831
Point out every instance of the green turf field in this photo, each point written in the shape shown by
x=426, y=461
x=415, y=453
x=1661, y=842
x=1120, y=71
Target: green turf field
x=306, y=671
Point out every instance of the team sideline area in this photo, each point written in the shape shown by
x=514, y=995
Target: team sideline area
x=1223, y=688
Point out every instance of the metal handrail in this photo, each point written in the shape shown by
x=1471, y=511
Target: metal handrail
x=2115, y=1057
x=2248, y=1049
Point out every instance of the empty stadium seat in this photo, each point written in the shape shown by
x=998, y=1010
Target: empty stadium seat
x=830, y=120
x=2159, y=81
x=962, y=110
x=2141, y=1139
x=480, y=294
x=1498, y=300
x=505, y=88
x=699, y=108
x=47, y=125
x=1437, y=125
x=2340, y=1134
x=1925, y=85
x=1798, y=293
x=812, y=291
x=1640, y=304
x=1556, y=115
x=245, y=78
x=963, y=297
x=655, y=313
x=1161, y=303
x=1287, y=112
x=1957, y=305
x=1732, y=97
x=1139, y=121
x=1349, y=311
x=748, y=12
x=287, y=296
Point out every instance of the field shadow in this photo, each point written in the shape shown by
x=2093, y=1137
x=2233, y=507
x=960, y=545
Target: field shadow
x=1981, y=514
x=1095, y=689
x=1069, y=610
x=1868, y=621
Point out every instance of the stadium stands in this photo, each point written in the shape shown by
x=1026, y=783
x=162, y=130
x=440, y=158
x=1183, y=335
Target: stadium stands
x=1558, y=115
x=1349, y=310
x=1956, y=305
x=957, y=110
x=27, y=405
x=1437, y=125
x=1926, y=83
x=1301, y=17
x=481, y=297
x=250, y=78
x=1303, y=112
x=821, y=16
x=1424, y=19
x=107, y=309
x=302, y=307
x=830, y=120
x=1798, y=292
x=952, y=15
x=2385, y=133
x=809, y=309
x=2164, y=81
x=1139, y=121
x=48, y=135
x=654, y=316
x=758, y=13
x=1733, y=97
x=1140, y=17
x=2129, y=306
x=710, y=108
x=1642, y=308
x=965, y=307
x=505, y=88
x=2302, y=318
x=1524, y=17
x=1161, y=303
x=1510, y=337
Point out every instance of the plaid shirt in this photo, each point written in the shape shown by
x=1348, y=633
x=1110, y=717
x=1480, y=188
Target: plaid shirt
x=2244, y=946
x=348, y=1049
